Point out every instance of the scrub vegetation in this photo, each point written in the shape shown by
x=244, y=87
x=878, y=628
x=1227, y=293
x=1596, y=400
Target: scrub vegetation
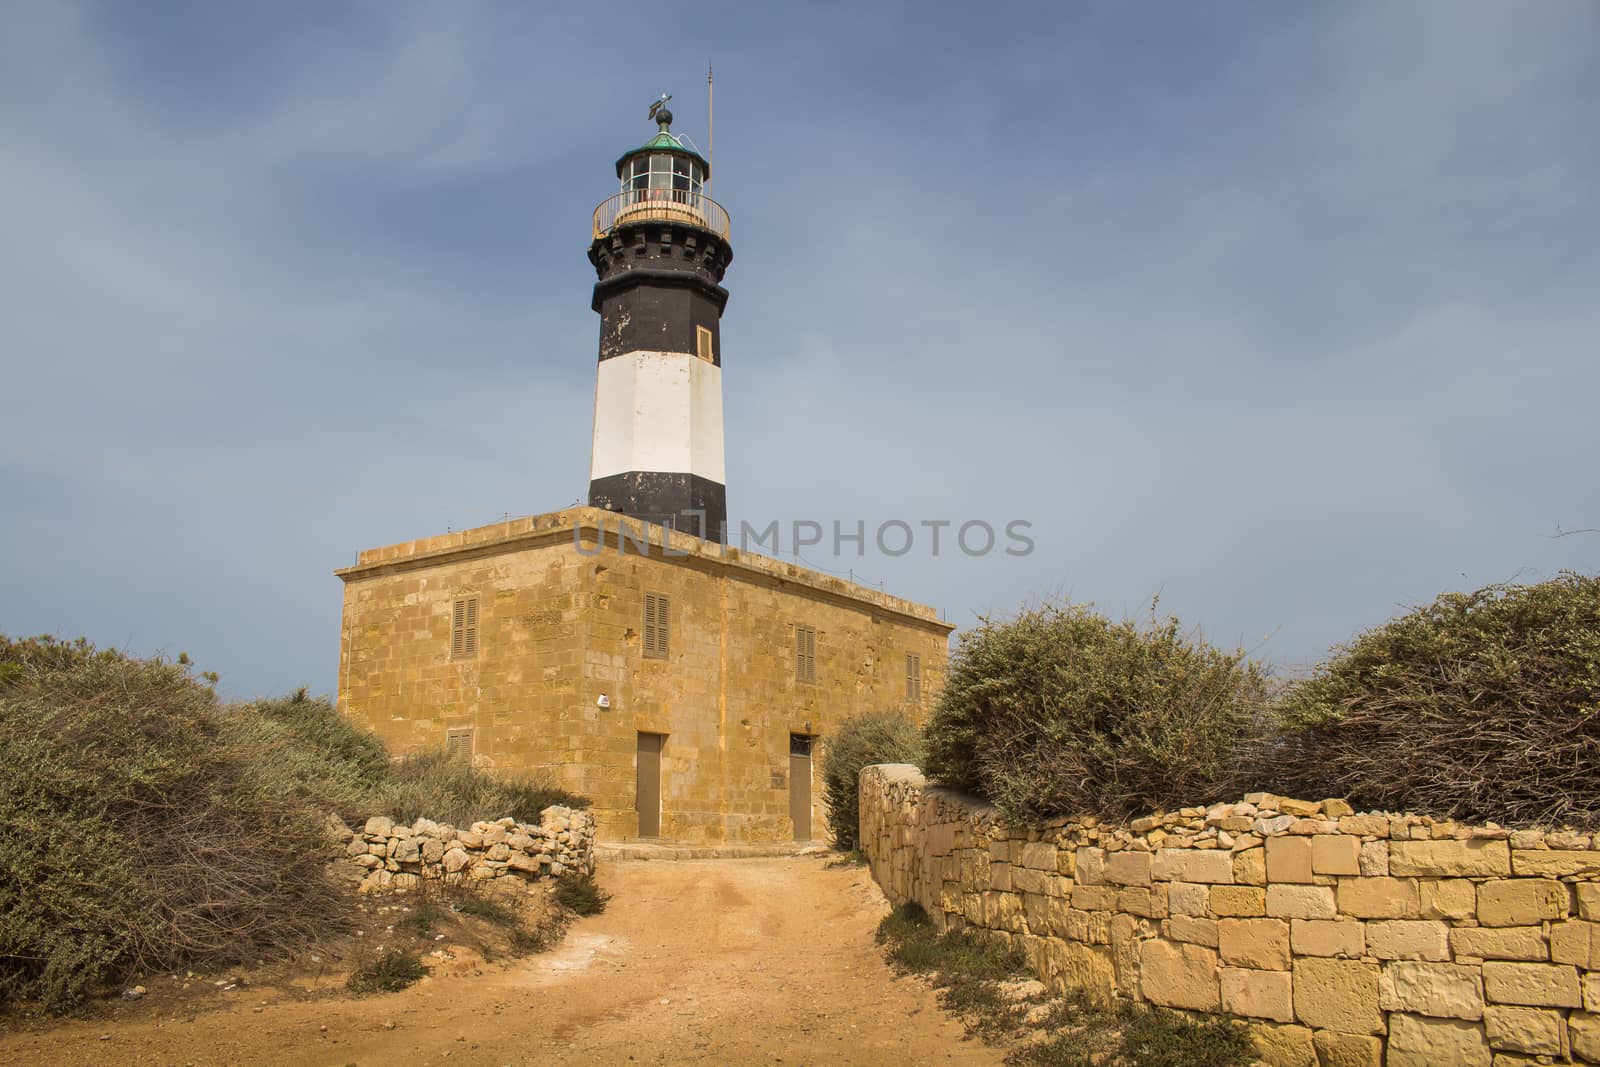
x=861, y=741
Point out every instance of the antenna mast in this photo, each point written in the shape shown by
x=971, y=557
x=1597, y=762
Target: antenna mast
x=711, y=132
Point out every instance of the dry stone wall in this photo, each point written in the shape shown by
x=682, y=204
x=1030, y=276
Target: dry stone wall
x=1346, y=939
x=400, y=857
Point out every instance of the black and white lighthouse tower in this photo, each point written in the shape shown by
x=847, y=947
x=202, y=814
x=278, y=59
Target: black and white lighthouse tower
x=660, y=249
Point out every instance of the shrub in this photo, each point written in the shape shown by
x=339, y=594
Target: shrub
x=444, y=789
x=136, y=834
x=581, y=895
x=304, y=750
x=387, y=972
x=874, y=737
x=1062, y=711
x=1482, y=705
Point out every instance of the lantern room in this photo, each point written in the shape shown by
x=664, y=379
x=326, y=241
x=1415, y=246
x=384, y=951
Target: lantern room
x=663, y=180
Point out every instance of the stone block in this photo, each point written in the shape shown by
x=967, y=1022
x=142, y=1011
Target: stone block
x=1444, y=990
x=1288, y=859
x=1347, y=1050
x=1142, y=901
x=1536, y=985
x=1500, y=942
x=1128, y=932
x=1258, y=994
x=1422, y=1041
x=1576, y=942
x=1336, y=854
x=1000, y=877
x=1374, y=859
x=1591, y=992
x=1536, y=1031
x=1314, y=937
x=1039, y=856
x=1365, y=825
x=1238, y=900
x=1282, y=1044
x=1556, y=863
x=1300, y=901
x=1332, y=994
x=1193, y=930
x=1094, y=897
x=1379, y=898
x=1188, y=898
x=1521, y=901
x=1179, y=976
x=1261, y=943
x=1408, y=939
x=1074, y=967
x=1128, y=868
x=1030, y=880
x=1091, y=866
x=1191, y=865
x=1450, y=858
x=1588, y=894
x=1449, y=898
x=1250, y=866
x=1583, y=1031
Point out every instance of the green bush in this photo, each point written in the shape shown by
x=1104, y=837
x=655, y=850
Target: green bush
x=873, y=737
x=1062, y=711
x=136, y=833
x=303, y=749
x=444, y=789
x=1482, y=705
x=581, y=894
x=387, y=972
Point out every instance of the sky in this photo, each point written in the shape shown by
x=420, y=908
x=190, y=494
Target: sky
x=1285, y=313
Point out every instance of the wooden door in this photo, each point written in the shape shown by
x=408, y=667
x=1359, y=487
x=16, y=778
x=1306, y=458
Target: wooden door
x=648, y=787
x=800, y=785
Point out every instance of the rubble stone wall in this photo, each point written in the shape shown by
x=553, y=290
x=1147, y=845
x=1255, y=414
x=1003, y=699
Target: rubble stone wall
x=1343, y=938
x=400, y=856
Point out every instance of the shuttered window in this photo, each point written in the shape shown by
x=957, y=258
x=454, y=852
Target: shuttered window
x=805, y=653
x=464, y=628
x=702, y=343
x=657, y=625
x=458, y=744
x=913, y=677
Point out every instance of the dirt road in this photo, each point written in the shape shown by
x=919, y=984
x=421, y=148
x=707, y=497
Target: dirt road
x=749, y=961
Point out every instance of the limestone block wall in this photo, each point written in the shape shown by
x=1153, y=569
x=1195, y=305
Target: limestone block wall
x=398, y=857
x=1343, y=938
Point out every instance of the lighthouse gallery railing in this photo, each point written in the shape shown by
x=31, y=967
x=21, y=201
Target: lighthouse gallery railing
x=661, y=205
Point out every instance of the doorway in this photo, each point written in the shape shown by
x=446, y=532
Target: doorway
x=647, y=789
x=800, y=785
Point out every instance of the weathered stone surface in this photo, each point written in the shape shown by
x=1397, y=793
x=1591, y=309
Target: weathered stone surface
x=1347, y=1050
x=1091, y=866
x=1553, y=863
x=1584, y=1033
x=1094, y=897
x=1288, y=859
x=1336, y=854
x=1259, y=994
x=1591, y=992
x=1576, y=942
x=455, y=860
x=1188, y=898
x=1374, y=858
x=1039, y=856
x=1537, y=985
x=1300, y=901
x=1379, y=898
x=1364, y=825
x=1238, y=900
x=1179, y=976
x=1521, y=901
x=1333, y=994
x=1282, y=1044
x=1250, y=866
x=1191, y=865
x=1031, y=880
x=1314, y=937
x=1588, y=894
x=1450, y=858
x=1261, y=943
x=1532, y=1030
x=1500, y=943
x=378, y=826
x=1408, y=939
x=1421, y=1041
x=1128, y=868
x=1078, y=968
x=1194, y=931
x=1444, y=990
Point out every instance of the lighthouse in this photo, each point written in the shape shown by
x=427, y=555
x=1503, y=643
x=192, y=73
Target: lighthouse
x=659, y=250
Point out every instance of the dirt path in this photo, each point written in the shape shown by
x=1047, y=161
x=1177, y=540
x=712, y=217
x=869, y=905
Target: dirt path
x=752, y=961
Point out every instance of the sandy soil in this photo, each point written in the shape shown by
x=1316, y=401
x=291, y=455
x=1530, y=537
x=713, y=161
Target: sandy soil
x=748, y=961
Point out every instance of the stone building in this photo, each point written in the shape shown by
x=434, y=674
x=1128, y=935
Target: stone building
x=622, y=649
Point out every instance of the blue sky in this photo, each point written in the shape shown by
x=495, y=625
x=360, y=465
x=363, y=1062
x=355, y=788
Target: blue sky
x=1286, y=312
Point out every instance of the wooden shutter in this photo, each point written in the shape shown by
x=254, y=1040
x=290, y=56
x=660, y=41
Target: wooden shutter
x=805, y=653
x=458, y=744
x=464, y=628
x=657, y=625
x=702, y=343
x=913, y=677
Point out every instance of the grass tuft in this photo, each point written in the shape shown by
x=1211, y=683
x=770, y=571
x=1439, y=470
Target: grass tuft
x=388, y=972
x=581, y=895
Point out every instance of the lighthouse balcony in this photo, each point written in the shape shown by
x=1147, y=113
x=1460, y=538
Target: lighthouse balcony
x=684, y=207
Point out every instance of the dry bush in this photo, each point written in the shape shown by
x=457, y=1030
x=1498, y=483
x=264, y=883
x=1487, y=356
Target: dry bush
x=1479, y=706
x=1062, y=711
x=861, y=741
x=450, y=790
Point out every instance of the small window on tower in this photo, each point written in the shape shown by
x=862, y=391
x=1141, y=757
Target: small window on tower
x=913, y=677
x=702, y=343
x=458, y=745
x=805, y=653
x=657, y=625
x=464, y=628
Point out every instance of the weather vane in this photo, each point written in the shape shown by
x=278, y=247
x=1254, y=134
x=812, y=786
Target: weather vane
x=659, y=104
